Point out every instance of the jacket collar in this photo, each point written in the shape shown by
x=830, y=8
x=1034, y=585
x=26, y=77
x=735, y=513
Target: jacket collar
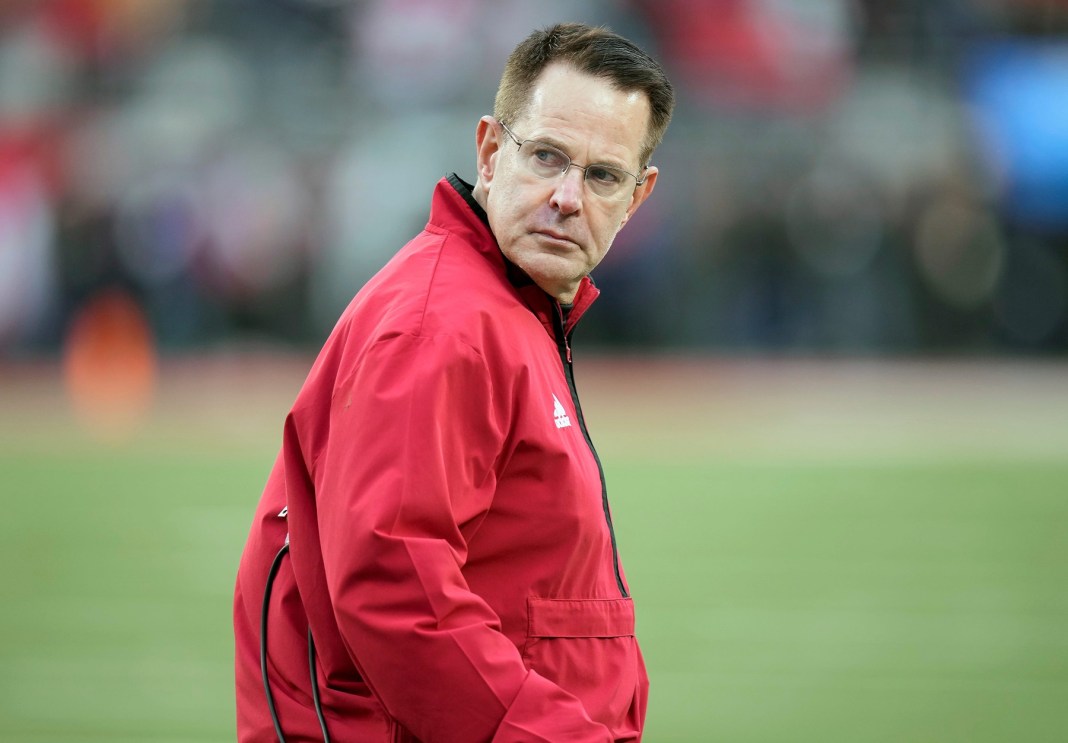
x=454, y=208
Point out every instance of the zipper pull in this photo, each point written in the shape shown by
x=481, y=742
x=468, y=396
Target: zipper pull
x=563, y=330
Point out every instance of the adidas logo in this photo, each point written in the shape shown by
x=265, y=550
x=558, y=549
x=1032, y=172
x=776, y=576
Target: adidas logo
x=562, y=419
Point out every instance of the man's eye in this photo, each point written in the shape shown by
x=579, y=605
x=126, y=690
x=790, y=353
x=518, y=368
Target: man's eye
x=549, y=157
x=608, y=176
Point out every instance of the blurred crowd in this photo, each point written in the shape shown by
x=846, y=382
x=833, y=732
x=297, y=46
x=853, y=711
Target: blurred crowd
x=842, y=176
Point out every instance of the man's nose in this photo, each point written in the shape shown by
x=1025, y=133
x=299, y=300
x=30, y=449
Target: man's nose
x=569, y=191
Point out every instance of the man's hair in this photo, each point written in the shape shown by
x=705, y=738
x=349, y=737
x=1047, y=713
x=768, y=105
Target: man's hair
x=594, y=51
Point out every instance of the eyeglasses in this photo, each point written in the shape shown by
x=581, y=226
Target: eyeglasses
x=546, y=161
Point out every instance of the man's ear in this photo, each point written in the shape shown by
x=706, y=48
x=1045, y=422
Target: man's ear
x=487, y=146
x=641, y=193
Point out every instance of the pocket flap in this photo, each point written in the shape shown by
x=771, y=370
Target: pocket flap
x=580, y=617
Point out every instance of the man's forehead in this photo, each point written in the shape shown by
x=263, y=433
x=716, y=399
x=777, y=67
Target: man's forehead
x=559, y=79
x=572, y=103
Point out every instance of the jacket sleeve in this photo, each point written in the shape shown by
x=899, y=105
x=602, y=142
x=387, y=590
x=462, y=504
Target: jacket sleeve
x=406, y=479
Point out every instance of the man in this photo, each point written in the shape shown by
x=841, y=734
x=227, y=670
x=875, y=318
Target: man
x=450, y=544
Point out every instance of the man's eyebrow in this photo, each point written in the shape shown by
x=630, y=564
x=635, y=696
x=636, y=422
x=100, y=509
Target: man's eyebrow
x=554, y=142
x=563, y=148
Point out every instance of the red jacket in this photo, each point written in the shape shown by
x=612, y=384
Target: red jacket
x=451, y=546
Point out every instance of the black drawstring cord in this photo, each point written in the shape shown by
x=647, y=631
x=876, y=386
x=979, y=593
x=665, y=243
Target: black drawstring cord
x=263, y=639
x=263, y=656
x=315, y=687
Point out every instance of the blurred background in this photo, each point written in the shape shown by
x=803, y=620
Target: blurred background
x=842, y=176
x=826, y=374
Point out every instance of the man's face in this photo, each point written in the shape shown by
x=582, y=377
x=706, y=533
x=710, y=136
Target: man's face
x=556, y=229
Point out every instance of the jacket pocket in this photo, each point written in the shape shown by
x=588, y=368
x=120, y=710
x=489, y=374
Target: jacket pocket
x=588, y=647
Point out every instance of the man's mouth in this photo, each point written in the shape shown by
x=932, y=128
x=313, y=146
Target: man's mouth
x=556, y=237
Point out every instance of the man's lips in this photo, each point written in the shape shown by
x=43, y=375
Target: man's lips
x=556, y=237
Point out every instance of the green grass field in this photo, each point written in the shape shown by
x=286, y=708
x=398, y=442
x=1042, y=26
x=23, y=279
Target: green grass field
x=818, y=552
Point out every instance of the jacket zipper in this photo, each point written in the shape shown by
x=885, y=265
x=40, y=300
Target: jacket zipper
x=564, y=347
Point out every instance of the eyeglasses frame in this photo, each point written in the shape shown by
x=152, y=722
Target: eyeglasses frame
x=584, y=168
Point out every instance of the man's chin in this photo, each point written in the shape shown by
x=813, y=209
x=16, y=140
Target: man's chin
x=559, y=286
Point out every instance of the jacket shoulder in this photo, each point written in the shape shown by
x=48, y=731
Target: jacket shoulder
x=437, y=285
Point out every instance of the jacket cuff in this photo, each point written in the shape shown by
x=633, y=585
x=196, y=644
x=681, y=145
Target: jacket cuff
x=542, y=712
